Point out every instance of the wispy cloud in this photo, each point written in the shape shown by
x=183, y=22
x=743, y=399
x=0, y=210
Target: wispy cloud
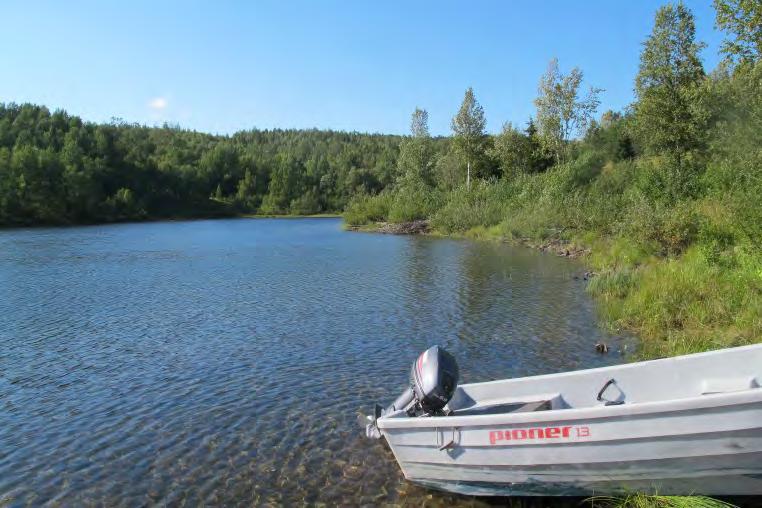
x=158, y=104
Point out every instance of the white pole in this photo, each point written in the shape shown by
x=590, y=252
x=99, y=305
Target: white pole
x=468, y=176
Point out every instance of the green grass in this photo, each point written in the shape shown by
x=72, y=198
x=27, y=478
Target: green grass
x=655, y=501
x=291, y=216
x=685, y=304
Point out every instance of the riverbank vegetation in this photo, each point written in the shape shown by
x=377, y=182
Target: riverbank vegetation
x=667, y=195
x=655, y=501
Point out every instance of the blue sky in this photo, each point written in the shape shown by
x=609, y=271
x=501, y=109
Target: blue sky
x=354, y=65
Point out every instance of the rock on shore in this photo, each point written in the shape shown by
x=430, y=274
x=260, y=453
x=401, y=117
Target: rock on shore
x=559, y=247
x=416, y=227
x=422, y=227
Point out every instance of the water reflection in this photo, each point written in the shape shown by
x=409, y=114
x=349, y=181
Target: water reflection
x=223, y=362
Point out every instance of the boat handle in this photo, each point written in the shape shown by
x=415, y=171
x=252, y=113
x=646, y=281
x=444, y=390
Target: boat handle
x=450, y=443
x=600, y=398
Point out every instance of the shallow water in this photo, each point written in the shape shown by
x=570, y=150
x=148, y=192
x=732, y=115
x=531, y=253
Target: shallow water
x=224, y=362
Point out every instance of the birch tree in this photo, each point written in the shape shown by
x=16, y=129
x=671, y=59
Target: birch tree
x=561, y=111
x=468, y=128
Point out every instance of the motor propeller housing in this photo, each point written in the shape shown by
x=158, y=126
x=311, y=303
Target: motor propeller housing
x=433, y=379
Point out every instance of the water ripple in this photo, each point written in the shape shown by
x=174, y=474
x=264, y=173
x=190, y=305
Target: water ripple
x=224, y=362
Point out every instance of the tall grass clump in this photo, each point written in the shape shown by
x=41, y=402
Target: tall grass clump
x=656, y=501
x=686, y=304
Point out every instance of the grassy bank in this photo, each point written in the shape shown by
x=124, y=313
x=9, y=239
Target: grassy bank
x=683, y=270
x=683, y=276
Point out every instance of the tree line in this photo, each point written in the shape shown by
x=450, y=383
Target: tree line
x=57, y=169
x=674, y=125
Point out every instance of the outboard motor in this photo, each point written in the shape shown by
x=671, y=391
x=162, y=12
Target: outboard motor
x=433, y=380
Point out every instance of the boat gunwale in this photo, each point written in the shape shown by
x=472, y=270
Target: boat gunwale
x=713, y=400
x=399, y=420
x=616, y=368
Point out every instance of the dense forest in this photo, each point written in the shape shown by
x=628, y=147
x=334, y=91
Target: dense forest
x=666, y=197
x=57, y=169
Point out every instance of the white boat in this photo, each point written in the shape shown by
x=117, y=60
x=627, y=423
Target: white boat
x=684, y=425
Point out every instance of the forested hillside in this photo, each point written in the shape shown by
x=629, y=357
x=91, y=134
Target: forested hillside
x=57, y=169
x=667, y=195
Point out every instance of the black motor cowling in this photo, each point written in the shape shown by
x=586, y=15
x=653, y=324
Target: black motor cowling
x=433, y=380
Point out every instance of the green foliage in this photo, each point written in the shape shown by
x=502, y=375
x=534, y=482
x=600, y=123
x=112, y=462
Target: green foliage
x=412, y=201
x=306, y=204
x=742, y=19
x=520, y=152
x=483, y=205
x=416, y=157
x=364, y=209
x=656, y=501
x=675, y=242
x=670, y=112
x=448, y=169
x=671, y=228
x=561, y=112
x=469, y=137
x=56, y=169
x=612, y=136
x=734, y=171
x=419, y=123
x=687, y=304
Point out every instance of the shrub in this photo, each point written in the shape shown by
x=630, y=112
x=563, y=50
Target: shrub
x=672, y=228
x=413, y=200
x=364, y=209
x=306, y=204
x=485, y=204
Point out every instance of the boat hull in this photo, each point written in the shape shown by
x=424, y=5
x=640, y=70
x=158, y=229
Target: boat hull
x=708, y=444
x=672, y=460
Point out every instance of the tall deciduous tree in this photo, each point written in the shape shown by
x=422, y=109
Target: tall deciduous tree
x=511, y=150
x=668, y=113
x=415, y=160
x=742, y=19
x=561, y=111
x=419, y=123
x=468, y=127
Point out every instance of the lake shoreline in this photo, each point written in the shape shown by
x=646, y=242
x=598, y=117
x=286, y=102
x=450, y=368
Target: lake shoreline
x=174, y=218
x=619, y=281
x=555, y=246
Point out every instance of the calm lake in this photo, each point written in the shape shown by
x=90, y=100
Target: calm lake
x=224, y=362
